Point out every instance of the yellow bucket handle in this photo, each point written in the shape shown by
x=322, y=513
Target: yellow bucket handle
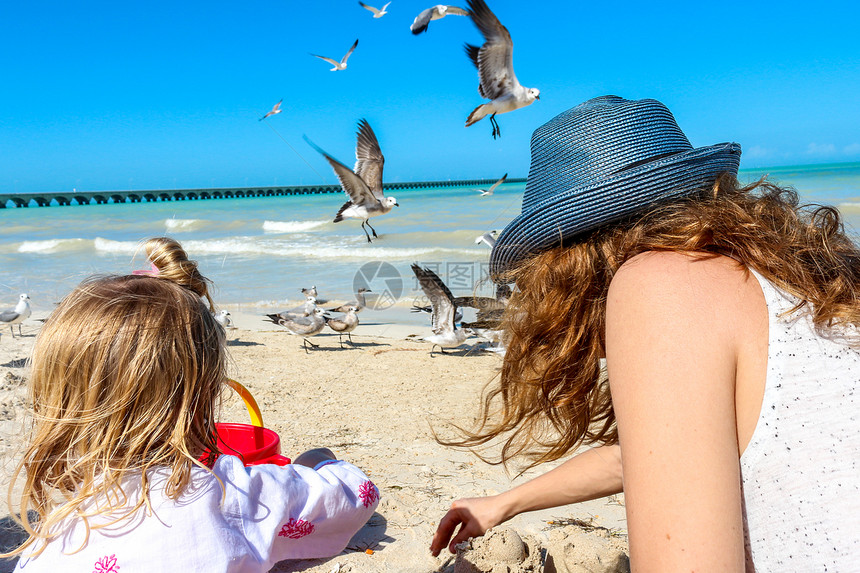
x=250, y=403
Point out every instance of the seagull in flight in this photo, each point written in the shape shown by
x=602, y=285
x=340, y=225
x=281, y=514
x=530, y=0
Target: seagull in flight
x=498, y=83
x=275, y=110
x=437, y=12
x=377, y=13
x=341, y=65
x=445, y=331
x=489, y=238
x=491, y=190
x=363, y=184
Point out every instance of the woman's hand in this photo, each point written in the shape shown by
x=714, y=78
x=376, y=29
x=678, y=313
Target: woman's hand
x=475, y=516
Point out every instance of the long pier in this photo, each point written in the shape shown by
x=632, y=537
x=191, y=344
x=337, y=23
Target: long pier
x=114, y=197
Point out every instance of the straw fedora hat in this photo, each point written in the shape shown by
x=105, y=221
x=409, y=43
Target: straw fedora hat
x=599, y=163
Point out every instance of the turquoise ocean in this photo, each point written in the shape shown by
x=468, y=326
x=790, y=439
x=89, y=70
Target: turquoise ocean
x=259, y=252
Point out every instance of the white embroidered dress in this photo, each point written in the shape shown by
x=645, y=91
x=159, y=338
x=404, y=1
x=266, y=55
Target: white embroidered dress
x=268, y=514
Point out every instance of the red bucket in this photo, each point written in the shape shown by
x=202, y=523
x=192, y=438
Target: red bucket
x=252, y=444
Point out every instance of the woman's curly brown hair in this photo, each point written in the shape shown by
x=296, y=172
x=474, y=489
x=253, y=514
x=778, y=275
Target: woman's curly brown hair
x=553, y=397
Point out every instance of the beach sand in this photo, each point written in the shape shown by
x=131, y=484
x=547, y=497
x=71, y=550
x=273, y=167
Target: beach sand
x=374, y=405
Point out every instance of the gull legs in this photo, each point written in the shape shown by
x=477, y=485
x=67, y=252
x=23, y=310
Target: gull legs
x=308, y=342
x=363, y=223
x=496, y=131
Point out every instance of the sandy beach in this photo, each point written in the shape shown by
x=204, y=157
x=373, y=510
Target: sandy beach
x=374, y=404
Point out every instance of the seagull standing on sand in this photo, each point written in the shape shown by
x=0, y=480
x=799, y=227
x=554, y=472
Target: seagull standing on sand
x=491, y=190
x=363, y=185
x=437, y=12
x=275, y=110
x=498, y=82
x=341, y=65
x=344, y=325
x=445, y=332
x=377, y=13
x=303, y=326
x=359, y=303
x=18, y=314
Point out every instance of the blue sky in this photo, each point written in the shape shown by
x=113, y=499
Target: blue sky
x=126, y=95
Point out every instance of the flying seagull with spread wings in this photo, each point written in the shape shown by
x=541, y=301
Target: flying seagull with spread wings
x=437, y=12
x=491, y=190
x=363, y=184
x=377, y=13
x=498, y=83
x=341, y=65
x=275, y=110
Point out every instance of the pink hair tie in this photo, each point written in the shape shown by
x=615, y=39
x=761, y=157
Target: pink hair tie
x=153, y=272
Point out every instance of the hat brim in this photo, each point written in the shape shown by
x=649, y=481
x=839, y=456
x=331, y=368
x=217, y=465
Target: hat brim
x=585, y=208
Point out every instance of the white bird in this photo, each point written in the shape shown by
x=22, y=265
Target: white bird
x=489, y=238
x=222, y=317
x=303, y=326
x=341, y=65
x=437, y=12
x=344, y=325
x=18, y=314
x=498, y=82
x=363, y=184
x=377, y=13
x=276, y=109
x=359, y=303
x=446, y=334
x=491, y=190
x=310, y=292
x=304, y=310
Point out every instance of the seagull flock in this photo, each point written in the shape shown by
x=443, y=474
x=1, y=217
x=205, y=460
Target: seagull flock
x=497, y=83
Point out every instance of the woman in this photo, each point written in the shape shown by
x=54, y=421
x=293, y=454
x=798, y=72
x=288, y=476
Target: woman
x=727, y=319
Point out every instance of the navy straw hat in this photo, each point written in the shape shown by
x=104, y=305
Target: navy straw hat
x=601, y=162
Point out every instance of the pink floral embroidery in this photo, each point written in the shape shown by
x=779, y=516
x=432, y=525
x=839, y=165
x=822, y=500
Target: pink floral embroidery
x=106, y=564
x=296, y=528
x=368, y=493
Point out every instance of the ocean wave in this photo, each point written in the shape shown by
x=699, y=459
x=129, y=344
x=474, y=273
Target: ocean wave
x=182, y=225
x=49, y=246
x=291, y=226
x=110, y=246
x=850, y=205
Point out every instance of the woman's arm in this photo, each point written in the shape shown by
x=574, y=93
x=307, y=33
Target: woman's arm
x=592, y=474
x=671, y=328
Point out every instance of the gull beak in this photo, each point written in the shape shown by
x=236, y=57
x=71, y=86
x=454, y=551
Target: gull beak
x=537, y=97
x=397, y=204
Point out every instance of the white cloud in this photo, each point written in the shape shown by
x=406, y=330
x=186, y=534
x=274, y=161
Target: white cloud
x=853, y=149
x=820, y=149
x=758, y=152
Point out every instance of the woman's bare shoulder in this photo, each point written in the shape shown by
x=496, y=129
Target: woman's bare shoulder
x=699, y=288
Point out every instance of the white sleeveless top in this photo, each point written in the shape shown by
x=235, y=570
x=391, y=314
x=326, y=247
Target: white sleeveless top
x=800, y=474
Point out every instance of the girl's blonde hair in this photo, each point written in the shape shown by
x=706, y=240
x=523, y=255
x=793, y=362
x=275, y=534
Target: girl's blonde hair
x=553, y=397
x=126, y=377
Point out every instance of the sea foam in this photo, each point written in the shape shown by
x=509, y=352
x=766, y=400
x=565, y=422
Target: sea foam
x=182, y=225
x=291, y=226
x=49, y=246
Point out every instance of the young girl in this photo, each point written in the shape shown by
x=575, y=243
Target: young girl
x=727, y=316
x=125, y=385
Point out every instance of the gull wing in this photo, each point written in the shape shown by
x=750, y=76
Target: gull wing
x=494, y=58
x=457, y=11
x=329, y=60
x=349, y=53
x=9, y=315
x=421, y=21
x=368, y=159
x=441, y=299
x=371, y=8
x=499, y=182
x=357, y=190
